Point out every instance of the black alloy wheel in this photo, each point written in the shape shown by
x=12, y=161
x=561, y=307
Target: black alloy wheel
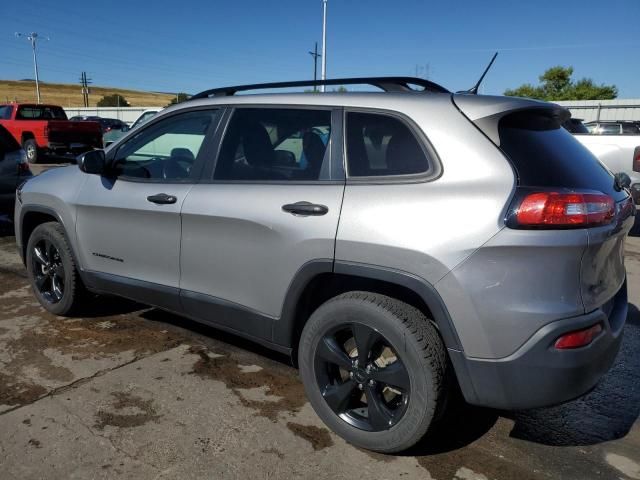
x=48, y=270
x=361, y=377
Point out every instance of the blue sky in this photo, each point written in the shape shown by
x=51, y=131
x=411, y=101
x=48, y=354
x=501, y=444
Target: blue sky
x=194, y=45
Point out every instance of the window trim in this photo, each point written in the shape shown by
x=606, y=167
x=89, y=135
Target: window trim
x=435, y=165
x=200, y=162
x=336, y=168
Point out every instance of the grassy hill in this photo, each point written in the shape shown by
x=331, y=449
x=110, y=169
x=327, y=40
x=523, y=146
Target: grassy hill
x=70, y=95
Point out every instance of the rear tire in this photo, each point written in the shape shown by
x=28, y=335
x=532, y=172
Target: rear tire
x=31, y=148
x=391, y=401
x=52, y=270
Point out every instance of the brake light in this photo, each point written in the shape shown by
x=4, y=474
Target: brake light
x=579, y=338
x=636, y=160
x=549, y=209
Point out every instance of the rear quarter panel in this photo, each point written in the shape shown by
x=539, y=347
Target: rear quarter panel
x=427, y=228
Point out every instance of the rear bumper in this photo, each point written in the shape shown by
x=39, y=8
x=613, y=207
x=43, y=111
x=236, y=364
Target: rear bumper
x=72, y=148
x=539, y=375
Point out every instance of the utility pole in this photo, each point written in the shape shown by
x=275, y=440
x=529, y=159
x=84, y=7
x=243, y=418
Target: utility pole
x=84, y=81
x=324, y=43
x=33, y=38
x=315, y=56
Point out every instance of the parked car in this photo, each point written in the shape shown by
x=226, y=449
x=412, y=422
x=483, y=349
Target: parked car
x=575, y=125
x=619, y=153
x=608, y=127
x=14, y=169
x=145, y=117
x=432, y=239
x=115, y=135
x=42, y=129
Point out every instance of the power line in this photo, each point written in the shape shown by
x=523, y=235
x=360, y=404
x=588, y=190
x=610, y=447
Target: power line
x=33, y=38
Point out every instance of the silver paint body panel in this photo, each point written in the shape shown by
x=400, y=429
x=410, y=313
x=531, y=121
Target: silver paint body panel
x=233, y=242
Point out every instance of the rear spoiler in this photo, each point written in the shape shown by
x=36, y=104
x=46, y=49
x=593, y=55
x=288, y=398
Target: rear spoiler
x=485, y=112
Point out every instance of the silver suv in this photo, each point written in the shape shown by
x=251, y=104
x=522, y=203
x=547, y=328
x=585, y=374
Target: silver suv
x=398, y=243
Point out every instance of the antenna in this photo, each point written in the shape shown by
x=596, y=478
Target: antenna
x=474, y=90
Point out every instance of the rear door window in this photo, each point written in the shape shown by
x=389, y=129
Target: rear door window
x=546, y=155
x=382, y=145
x=275, y=144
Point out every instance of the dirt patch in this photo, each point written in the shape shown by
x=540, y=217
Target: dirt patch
x=44, y=341
x=143, y=412
x=35, y=443
x=275, y=452
x=14, y=392
x=319, y=438
x=287, y=388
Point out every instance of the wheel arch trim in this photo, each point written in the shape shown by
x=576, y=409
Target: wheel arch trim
x=47, y=211
x=284, y=327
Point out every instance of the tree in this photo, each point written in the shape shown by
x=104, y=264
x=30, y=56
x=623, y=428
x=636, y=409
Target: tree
x=180, y=97
x=556, y=84
x=114, y=100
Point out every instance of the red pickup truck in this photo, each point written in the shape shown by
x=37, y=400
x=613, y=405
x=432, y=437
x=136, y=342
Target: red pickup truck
x=44, y=129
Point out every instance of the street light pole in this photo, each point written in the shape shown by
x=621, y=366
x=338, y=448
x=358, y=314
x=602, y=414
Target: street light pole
x=324, y=43
x=33, y=38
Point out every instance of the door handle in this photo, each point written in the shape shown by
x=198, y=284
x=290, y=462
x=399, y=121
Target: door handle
x=162, y=199
x=304, y=209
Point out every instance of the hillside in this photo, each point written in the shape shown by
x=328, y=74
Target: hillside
x=70, y=95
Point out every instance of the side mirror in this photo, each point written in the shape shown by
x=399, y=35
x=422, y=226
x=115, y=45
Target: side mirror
x=93, y=162
x=623, y=180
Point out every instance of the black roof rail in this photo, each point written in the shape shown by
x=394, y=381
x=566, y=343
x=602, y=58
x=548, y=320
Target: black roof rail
x=388, y=84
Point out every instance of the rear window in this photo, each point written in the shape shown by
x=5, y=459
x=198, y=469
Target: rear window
x=546, y=155
x=35, y=112
x=381, y=145
x=5, y=112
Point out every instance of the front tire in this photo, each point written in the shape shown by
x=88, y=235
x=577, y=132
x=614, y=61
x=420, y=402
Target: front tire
x=31, y=148
x=52, y=270
x=374, y=369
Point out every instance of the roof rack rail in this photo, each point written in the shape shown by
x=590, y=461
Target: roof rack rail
x=388, y=84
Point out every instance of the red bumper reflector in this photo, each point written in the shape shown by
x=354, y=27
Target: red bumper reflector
x=579, y=338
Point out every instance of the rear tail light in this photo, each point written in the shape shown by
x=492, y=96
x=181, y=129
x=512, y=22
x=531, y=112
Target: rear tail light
x=578, y=338
x=552, y=209
x=636, y=160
